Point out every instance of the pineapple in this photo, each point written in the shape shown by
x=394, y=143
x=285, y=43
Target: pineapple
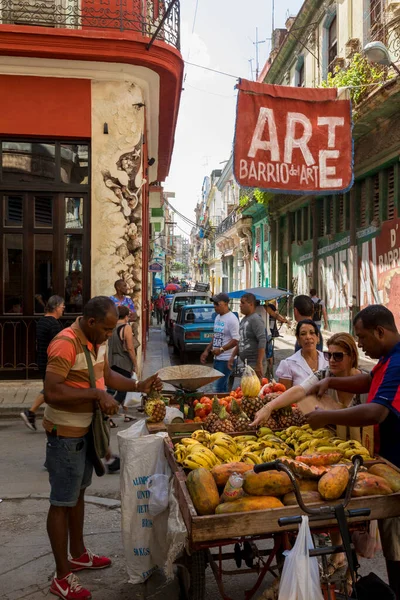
x=225, y=424
x=252, y=405
x=211, y=422
x=287, y=417
x=239, y=419
x=272, y=423
x=155, y=410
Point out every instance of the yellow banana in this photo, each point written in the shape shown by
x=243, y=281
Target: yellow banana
x=189, y=464
x=201, y=435
x=223, y=454
x=250, y=458
x=231, y=447
x=304, y=446
x=210, y=455
x=199, y=459
x=327, y=449
x=245, y=438
x=188, y=442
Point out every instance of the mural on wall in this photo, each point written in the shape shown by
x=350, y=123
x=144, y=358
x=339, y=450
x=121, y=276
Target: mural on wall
x=117, y=183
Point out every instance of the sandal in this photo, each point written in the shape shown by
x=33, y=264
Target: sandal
x=128, y=419
x=113, y=425
x=335, y=566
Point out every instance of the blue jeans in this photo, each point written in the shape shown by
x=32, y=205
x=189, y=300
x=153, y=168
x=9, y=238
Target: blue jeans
x=70, y=469
x=220, y=386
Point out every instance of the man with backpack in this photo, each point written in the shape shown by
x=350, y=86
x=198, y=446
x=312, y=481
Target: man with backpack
x=319, y=310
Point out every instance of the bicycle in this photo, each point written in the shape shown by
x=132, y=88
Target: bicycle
x=325, y=512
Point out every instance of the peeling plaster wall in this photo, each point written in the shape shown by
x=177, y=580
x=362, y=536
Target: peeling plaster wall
x=117, y=180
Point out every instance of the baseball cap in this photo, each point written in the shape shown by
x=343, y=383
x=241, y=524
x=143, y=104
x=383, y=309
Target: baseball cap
x=220, y=298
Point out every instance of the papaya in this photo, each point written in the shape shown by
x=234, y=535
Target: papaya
x=221, y=473
x=391, y=476
x=308, y=485
x=332, y=485
x=320, y=460
x=248, y=503
x=203, y=491
x=269, y=483
x=308, y=498
x=370, y=485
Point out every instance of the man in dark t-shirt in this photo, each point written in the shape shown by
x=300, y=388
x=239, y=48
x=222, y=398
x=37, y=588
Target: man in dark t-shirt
x=377, y=335
x=47, y=328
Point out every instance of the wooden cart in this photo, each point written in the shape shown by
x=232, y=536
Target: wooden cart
x=209, y=535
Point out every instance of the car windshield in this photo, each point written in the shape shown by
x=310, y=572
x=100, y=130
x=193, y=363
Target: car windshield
x=183, y=300
x=204, y=314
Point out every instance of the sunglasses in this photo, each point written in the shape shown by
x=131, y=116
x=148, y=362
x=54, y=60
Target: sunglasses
x=337, y=356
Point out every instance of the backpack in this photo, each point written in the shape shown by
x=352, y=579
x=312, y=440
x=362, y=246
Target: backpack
x=317, y=316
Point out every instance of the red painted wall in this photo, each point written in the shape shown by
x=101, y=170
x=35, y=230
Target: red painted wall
x=45, y=106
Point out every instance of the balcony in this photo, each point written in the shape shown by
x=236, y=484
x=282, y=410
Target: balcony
x=142, y=17
x=229, y=222
x=387, y=30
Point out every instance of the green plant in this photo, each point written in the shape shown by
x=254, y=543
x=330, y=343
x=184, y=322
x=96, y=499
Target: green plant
x=259, y=196
x=359, y=73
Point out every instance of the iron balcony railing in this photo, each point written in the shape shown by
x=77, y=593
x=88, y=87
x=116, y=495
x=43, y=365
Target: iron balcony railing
x=139, y=16
x=387, y=30
x=228, y=222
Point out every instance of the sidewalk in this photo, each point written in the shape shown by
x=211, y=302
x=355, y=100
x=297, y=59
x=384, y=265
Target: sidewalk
x=16, y=396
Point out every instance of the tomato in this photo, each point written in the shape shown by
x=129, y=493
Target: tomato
x=197, y=420
x=198, y=407
x=264, y=381
x=239, y=401
x=207, y=408
x=228, y=407
x=205, y=400
x=223, y=402
x=233, y=394
x=189, y=421
x=196, y=402
x=279, y=387
x=201, y=413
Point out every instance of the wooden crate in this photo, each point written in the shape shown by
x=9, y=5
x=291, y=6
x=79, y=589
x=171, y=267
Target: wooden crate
x=219, y=528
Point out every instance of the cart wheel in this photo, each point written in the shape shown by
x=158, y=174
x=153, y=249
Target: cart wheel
x=198, y=564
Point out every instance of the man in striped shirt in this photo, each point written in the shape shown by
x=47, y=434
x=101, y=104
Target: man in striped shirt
x=70, y=401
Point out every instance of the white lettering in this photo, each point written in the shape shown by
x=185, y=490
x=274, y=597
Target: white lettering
x=284, y=173
x=253, y=171
x=332, y=123
x=270, y=172
x=266, y=115
x=291, y=142
x=243, y=169
x=325, y=172
x=392, y=238
x=261, y=171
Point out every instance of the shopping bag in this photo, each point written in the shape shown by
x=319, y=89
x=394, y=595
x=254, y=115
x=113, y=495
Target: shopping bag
x=367, y=543
x=133, y=398
x=150, y=542
x=300, y=575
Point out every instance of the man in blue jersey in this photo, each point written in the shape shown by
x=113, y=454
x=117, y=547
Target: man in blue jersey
x=378, y=337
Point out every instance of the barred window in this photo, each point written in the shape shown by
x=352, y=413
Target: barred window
x=390, y=197
x=362, y=216
x=342, y=225
x=375, y=202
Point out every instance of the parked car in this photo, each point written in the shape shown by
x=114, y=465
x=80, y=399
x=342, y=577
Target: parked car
x=181, y=299
x=193, y=329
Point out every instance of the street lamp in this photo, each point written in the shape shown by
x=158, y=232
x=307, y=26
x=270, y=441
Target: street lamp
x=376, y=52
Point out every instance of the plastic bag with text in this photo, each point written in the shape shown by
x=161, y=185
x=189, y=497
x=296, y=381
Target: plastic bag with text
x=300, y=575
x=150, y=542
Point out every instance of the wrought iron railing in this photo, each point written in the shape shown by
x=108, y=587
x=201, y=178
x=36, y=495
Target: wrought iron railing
x=140, y=16
x=388, y=32
x=228, y=222
x=18, y=346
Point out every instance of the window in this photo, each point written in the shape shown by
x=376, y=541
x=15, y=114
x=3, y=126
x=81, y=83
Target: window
x=306, y=213
x=341, y=213
x=258, y=235
x=332, y=44
x=300, y=76
x=331, y=204
x=44, y=235
x=375, y=12
x=297, y=215
x=321, y=211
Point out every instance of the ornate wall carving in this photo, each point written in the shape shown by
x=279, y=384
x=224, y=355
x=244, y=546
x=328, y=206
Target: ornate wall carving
x=117, y=182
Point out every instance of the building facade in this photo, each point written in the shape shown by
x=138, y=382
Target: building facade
x=345, y=245
x=89, y=96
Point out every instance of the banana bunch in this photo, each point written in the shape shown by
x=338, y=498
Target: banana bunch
x=202, y=436
x=224, y=447
x=350, y=448
x=250, y=458
x=200, y=456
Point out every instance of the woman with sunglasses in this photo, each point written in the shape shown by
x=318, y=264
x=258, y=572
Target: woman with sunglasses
x=308, y=360
x=342, y=358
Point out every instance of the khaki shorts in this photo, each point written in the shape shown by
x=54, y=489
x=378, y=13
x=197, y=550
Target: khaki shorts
x=389, y=530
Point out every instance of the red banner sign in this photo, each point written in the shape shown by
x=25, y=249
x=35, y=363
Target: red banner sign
x=292, y=139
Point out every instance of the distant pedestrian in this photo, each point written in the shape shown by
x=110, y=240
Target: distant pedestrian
x=159, y=306
x=253, y=337
x=70, y=400
x=46, y=329
x=122, y=357
x=225, y=338
x=319, y=310
x=121, y=299
x=303, y=308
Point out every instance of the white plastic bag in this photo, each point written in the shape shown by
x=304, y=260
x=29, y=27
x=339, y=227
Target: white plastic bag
x=133, y=398
x=150, y=542
x=300, y=575
x=158, y=486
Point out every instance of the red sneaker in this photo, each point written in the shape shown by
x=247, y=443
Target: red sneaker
x=88, y=560
x=69, y=588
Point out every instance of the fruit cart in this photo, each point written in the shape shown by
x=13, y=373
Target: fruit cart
x=209, y=536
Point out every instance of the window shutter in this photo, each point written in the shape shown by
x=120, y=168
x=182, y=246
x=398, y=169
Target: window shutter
x=390, y=198
x=375, y=207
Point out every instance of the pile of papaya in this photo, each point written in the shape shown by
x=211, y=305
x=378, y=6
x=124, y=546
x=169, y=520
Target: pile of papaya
x=273, y=489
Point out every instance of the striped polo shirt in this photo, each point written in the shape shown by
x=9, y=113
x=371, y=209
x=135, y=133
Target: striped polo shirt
x=66, y=358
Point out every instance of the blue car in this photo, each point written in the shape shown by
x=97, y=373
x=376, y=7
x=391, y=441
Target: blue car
x=194, y=328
